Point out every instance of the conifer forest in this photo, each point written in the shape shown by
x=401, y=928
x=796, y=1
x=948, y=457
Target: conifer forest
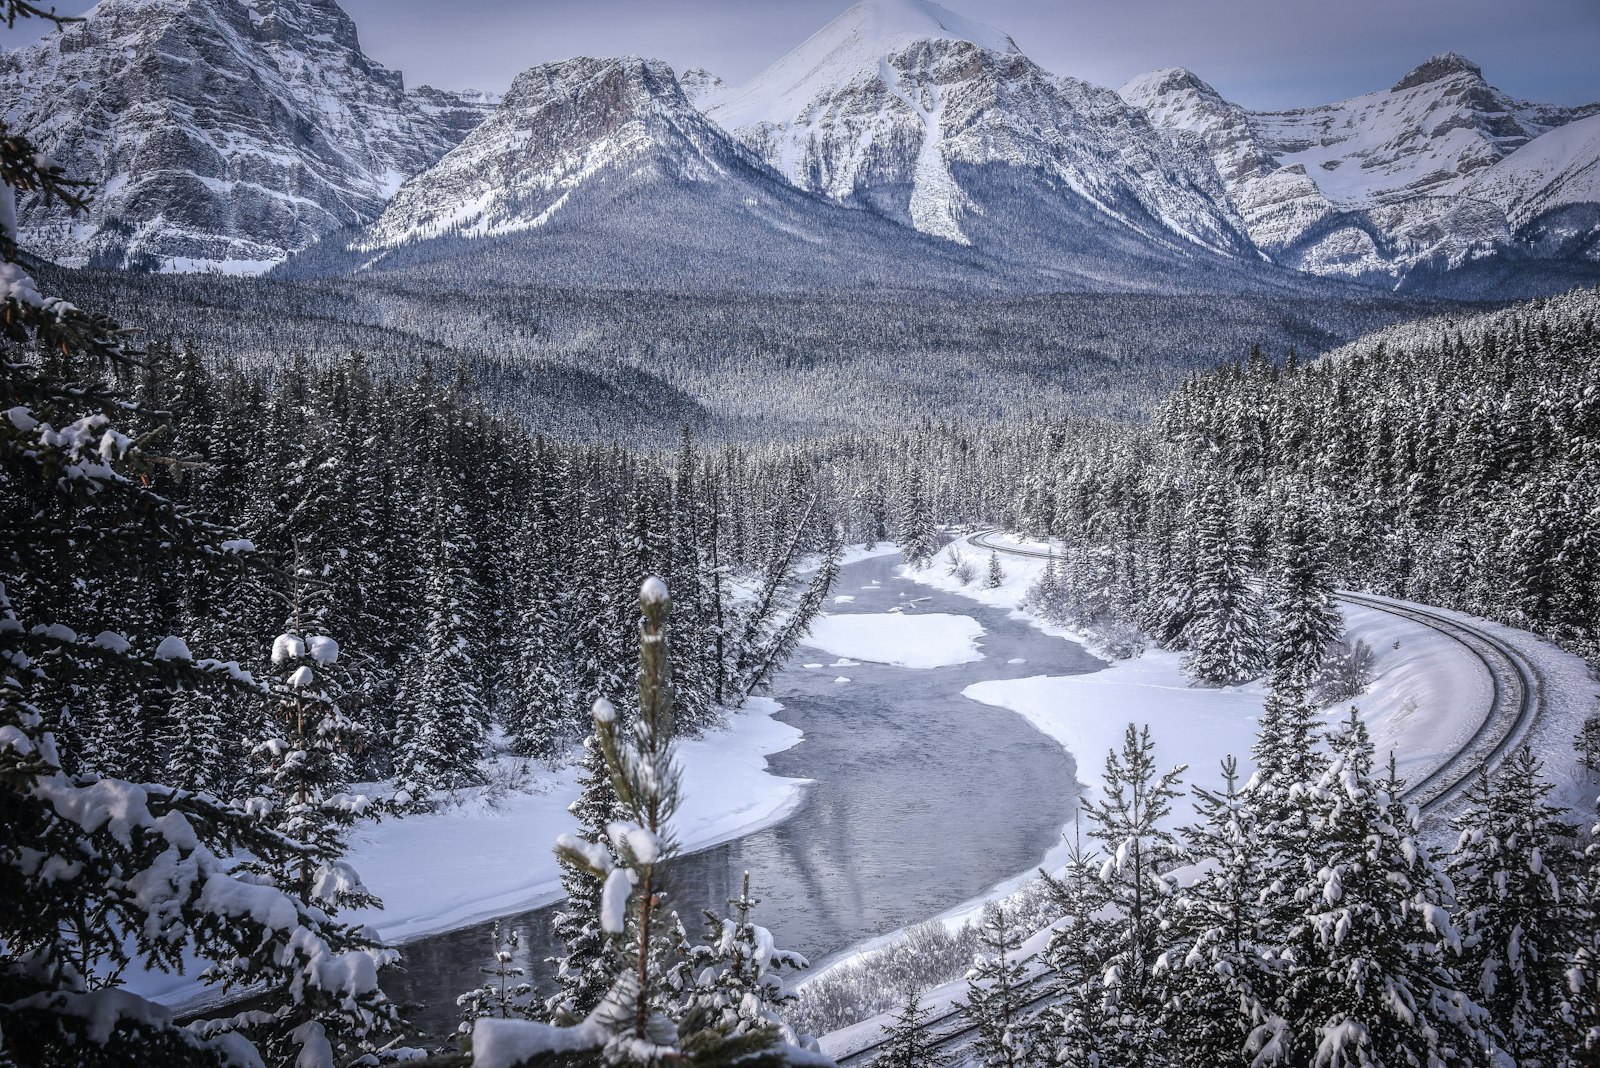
x=906, y=557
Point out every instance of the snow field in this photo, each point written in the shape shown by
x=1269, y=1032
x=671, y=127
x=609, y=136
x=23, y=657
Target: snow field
x=929, y=640
x=476, y=860
x=1427, y=696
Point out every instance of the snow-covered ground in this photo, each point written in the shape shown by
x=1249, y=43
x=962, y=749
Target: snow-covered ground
x=476, y=860
x=928, y=640
x=1428, y=695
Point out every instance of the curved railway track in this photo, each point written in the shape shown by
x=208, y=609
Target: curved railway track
x=1516, y=701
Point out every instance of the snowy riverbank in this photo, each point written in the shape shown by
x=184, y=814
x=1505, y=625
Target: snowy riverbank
x=475, y=860
x=1428, y=694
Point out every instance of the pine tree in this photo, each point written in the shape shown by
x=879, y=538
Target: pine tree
x=500, y=996
x=631, y=1024
x=914, y=529
x=1372, y=981
x=444, y=724
x=1289, y=763
x=907, y=1042
x=1304, y=619
x=995, y=576
x=1220, y=990
x=1129, y=824
x=995, y=1004
x=1522, y=910
x=302, y=775
x=736, y=975
x=1224, y=636
x=590, y=966
x=1081, y=1021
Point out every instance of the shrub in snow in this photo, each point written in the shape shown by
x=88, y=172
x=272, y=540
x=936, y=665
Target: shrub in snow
x=960, y=568
x=926, y=956
x=1345, y=673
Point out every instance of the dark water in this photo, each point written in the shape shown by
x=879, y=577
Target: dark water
x=921, y=800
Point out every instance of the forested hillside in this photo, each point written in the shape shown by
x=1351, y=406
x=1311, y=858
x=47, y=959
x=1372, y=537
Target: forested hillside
x=476, y=577
x=607, y=364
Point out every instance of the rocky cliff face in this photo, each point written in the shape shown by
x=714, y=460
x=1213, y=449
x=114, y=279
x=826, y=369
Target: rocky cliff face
x=901, y=143
x=903, y=107
x=560, y=127
x=220, y=134
x=1378, y=186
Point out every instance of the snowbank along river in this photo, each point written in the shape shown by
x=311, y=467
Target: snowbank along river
x=920, y=799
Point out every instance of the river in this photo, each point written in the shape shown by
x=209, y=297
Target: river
x=921, y=799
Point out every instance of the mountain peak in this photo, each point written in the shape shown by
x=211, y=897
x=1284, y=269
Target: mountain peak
x=1437, y=68
x=850, y=48
x=890, y=23
x=1156, y=83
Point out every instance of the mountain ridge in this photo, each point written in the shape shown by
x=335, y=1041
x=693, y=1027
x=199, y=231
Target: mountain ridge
x=1378, y=187
x=219, y=134
x=231, y=134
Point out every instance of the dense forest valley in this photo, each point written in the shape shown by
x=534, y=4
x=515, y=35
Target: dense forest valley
x=282, y=558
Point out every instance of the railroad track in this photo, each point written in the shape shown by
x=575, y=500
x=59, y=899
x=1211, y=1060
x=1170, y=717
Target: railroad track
x=1516, y=701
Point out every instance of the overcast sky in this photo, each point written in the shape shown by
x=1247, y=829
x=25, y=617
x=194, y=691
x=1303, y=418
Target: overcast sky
x=1260, y=53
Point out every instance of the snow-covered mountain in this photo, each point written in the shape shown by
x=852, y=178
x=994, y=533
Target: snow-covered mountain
x=1381, y=185
x=1549, y=190
x=600, y=171
x=902, y=142
x=219, y=133
x=942, y=124
x=702, y=88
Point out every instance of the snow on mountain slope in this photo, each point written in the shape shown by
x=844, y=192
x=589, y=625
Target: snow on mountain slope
x=600, y=171
x=1549, y=189
x=937, y=121
x=1372, y=188
x=1426, y=135
x=218, y=134
x=558, y=125
x=702, y=88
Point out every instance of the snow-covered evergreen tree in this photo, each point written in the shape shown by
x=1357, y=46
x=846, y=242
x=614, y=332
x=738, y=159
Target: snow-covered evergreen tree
x=1304, y=619
x=915, y=532
x=1080, y=1027
x=632, y=1024
x=1008, y=1035
x=1219, y=977
x=995, y=575
x=736, y=979
x=503, y=994
x=590, y=965
x=1373, y=979
x=908, y=1042
x=1130, y=823
x=1224, y=636
x=1520, y=900
x=443, y=724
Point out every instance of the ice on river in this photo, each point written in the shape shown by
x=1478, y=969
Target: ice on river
x=927, y=640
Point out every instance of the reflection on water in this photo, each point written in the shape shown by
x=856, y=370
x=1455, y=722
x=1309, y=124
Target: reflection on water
x=922, y=799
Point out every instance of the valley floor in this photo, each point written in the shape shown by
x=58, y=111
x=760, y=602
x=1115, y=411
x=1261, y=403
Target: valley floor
x=1427, y=696
x=489, y=852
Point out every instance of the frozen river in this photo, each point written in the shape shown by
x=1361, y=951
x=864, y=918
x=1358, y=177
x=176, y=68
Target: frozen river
x=921, y=798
